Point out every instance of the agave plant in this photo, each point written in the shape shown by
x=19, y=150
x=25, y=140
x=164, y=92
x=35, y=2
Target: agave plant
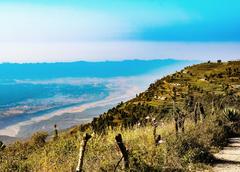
x=232, y=115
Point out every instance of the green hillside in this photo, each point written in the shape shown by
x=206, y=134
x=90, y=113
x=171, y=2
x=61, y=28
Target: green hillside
x=207, y=83
x=194, y=111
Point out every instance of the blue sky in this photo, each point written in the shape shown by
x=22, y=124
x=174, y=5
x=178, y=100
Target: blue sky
x=34, y=30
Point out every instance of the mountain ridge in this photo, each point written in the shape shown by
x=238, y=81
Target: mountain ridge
x=204, y=78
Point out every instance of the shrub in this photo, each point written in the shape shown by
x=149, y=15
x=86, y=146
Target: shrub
x=191, y=150
x=39, y=139
x=232, y=117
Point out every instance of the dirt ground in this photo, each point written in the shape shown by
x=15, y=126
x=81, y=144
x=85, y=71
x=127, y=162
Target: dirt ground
x=229, y=157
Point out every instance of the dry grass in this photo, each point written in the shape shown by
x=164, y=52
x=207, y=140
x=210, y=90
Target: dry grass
x=102, y=153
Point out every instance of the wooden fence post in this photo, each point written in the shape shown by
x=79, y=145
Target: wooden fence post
x=156, y=137
x=213, y=109
x=123, y=150
x=182, y=123
x=2, y=145
x=176, y=124
x=201, y=108
x=81, y=151
x=196, y=113
x=55, y=132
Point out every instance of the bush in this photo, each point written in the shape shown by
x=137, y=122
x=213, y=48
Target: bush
x=232, y=120
x=39, y=139
x=232, y=115
x=192, y=151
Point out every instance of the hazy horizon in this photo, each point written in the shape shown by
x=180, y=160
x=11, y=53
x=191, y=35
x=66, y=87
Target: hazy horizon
x=119, y=51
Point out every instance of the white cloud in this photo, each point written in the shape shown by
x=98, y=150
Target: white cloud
x=39, y=23
x=24, y=23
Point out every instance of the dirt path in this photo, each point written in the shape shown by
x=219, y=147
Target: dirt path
x=229, y=157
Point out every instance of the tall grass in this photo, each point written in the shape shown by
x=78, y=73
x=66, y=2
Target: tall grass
x=182, y=152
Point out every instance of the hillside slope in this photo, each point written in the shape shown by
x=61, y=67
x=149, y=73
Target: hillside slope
x=211, y=84
x=194, y=111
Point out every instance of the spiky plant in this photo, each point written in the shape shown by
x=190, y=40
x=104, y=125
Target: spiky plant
x=232, y=115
